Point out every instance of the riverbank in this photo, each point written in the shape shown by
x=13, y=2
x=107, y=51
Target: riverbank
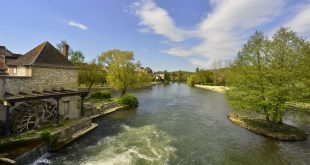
x=221, y=89
x=14, y=147
x=283, y=132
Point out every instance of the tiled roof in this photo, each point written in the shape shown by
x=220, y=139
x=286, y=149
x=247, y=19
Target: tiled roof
x=43, y=55
x=7, y=53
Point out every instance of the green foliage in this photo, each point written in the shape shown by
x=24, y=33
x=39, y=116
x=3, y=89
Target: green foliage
x=129, y=100
x=121, y=70
x=100, y=95
x=46, y=136
x=77, y=57
x=180, y=75
x=209, y=77
x=269, y=73
x=49, y=139
x=60, y=47
x=191, y=80
x=91, y=73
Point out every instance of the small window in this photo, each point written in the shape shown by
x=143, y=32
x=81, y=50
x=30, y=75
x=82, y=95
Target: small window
x=14, y=70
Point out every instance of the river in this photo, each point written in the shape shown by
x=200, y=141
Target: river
x=176, y=124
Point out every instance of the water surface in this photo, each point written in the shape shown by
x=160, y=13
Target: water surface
x=176, y=124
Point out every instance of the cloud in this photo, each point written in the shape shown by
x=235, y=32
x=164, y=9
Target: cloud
x=178, y=52
x=222, y=30
x=300, y=22
x=77, y=25
x=157, y=20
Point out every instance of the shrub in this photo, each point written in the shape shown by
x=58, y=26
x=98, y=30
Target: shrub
x=46, y=136
x=104, y=94
x=129, y=100
x=191, y=80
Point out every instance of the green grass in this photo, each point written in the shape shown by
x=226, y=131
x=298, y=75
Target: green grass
x=282, y=131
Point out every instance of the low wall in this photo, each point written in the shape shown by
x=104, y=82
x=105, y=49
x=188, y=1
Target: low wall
x=67, y=131
x=32, y=155
x=93, y=109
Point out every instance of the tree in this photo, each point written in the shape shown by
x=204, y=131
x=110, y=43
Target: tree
x=167, y=76
x=197, y=70
x=77, y=57
x=91, y=73
x=266, y=74
x=121, y=69
x=61, y=45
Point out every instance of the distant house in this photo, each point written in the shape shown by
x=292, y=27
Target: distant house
x=146, y=70
x=43, y=71
x=159, y=76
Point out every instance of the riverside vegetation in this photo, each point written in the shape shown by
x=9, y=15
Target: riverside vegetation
x=267, y=74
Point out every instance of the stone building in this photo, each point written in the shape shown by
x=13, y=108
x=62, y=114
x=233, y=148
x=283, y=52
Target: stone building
x=43, y=71
x=146, y=70
x=159, y=76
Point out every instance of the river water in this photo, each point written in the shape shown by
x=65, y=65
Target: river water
x=176, y=124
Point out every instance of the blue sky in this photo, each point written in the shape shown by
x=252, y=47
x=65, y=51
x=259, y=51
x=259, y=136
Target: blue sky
x=164, y=34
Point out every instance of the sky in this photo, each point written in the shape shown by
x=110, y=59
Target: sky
x=163, y=34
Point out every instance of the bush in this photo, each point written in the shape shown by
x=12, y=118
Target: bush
x=129, y=100
x=46, y=136
x=191, y=80
x=104, y=94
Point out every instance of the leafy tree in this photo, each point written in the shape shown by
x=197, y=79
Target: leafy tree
x=167, y=76
x=121, y=69
x=91, y=73
x=192, y=80
x=77, y=57
x=266, y=74
x=197, y=70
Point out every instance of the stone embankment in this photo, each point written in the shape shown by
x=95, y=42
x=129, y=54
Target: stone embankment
x=95, y=110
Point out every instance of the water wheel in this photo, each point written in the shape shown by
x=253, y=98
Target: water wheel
x=31, y=115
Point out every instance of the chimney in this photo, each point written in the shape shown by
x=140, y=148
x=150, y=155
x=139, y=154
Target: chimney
x=2, y=58
x=65, y=50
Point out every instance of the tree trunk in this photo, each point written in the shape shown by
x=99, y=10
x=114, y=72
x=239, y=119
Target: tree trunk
x=90, y=85
x=123, y=92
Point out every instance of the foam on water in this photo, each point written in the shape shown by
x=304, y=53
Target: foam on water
x=42, y=160
x=143, y=145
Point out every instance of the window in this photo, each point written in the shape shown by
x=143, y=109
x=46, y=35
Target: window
x=14, y=71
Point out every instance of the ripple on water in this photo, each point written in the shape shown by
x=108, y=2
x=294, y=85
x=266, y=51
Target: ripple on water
x=143, y=145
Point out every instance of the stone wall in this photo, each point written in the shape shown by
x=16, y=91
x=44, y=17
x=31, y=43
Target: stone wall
x=45, y=78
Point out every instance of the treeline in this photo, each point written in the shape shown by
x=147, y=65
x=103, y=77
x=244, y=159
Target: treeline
x=177, y=76
x=208, y=77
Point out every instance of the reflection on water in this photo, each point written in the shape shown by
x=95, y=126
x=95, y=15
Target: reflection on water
x=176, y=124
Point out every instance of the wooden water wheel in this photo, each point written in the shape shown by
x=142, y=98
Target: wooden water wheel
x=31, y=115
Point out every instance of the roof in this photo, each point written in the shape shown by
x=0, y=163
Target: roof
x=7, y=53
x=43, y=55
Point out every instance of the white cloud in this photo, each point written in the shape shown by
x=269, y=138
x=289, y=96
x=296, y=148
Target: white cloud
x=77, y=25
x=157, y=20
x=301, y=21
x=222, y=31
x=178, y=52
